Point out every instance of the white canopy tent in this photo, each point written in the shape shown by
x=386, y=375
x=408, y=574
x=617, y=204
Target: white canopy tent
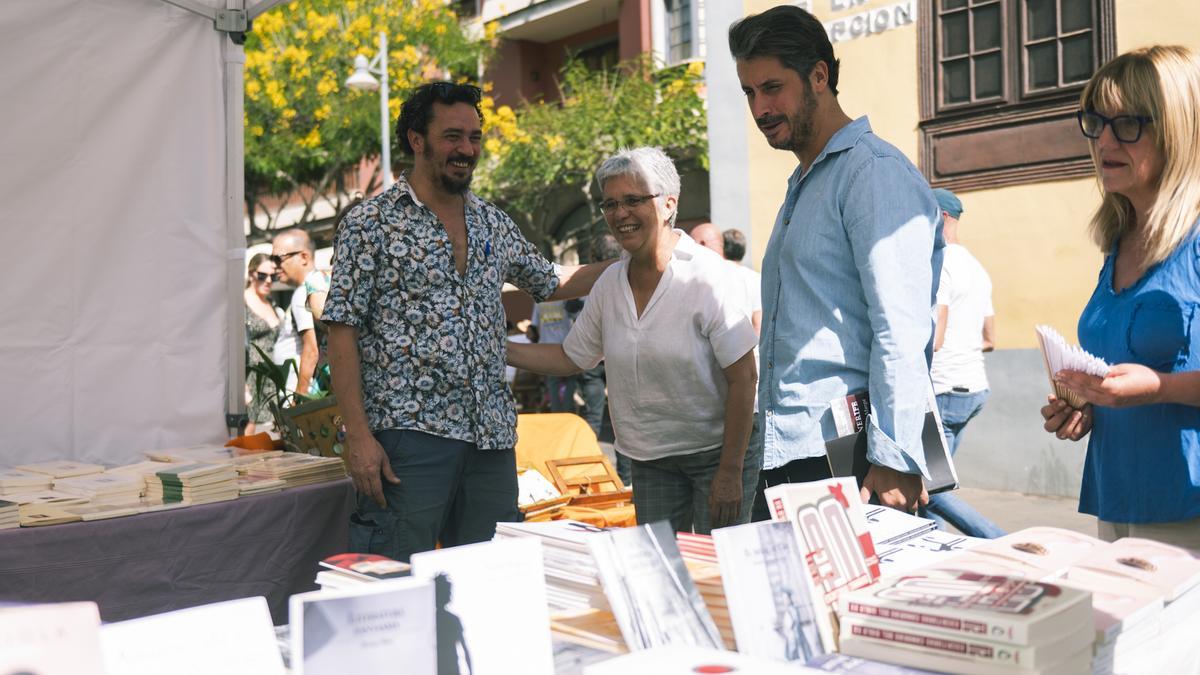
x=122, y=225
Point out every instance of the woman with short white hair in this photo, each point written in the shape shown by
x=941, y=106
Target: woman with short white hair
x=676, y=338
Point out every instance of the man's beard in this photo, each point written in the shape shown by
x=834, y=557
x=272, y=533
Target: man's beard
x=800, y=124
x=450, y=184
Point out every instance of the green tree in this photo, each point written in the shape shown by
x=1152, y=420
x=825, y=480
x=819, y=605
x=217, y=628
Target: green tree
x=304, y=129
x=540, y=150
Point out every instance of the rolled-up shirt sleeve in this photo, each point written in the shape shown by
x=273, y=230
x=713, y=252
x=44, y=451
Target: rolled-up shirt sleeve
x=891, y=218
x=584, y=344
x=356, y=253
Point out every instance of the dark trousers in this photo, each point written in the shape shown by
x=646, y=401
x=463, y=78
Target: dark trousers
x=450, y=492
x=796, y=471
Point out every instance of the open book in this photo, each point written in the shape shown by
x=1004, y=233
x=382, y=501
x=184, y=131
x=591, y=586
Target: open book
x=1058, y=355
x=847, y=452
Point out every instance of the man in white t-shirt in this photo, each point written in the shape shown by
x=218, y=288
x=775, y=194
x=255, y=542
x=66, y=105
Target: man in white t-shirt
x=734, y=243
x=965, y=330
x=294, y=256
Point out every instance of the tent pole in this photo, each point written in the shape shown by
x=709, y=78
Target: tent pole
x=234, y=63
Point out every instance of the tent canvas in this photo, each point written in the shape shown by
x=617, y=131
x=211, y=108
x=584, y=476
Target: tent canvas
x=120, y=175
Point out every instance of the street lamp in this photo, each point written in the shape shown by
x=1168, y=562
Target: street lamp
x=364, y=80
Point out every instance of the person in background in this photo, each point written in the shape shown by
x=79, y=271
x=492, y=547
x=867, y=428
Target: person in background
x=966, y=328
x=262, y=327
x=849, y=273
x=678, y=342
x=1141, y=477
x=417, y=338
x=293, y=253
x=708, y=235
x=734, y=245
x=553, y=322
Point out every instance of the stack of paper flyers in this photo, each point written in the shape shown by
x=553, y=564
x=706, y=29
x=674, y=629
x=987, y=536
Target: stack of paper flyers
x=1058, y=355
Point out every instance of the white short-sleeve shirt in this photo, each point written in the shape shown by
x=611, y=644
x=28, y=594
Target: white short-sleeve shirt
x=966, y=290
x=666, y=388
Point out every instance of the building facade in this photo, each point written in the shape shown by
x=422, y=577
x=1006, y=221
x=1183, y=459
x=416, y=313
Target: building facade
x=981, y=95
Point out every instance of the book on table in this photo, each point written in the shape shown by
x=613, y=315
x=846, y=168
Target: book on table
x=769, y=599
x=855, y=665
x=51, y=639
x=62, y=468
x=930, y=548
x=1049, y=551
x=16, y=481
x=846, y=451
x=491, y=607
x=231, y=638
x=831, y=532
x=370, y=628
x=650, y=590
x=366, y=567
x=572, y=580
x=688, y=660
x=969, y=618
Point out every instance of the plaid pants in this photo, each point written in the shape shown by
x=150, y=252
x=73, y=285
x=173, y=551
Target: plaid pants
x=676, y=488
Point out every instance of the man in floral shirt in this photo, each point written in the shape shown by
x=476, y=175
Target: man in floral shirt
x=416, y=339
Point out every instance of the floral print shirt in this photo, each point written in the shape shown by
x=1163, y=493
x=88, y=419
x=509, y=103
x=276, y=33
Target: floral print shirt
x=431, y=342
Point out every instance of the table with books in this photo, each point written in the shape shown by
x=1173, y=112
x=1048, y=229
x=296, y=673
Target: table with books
x=190, y=527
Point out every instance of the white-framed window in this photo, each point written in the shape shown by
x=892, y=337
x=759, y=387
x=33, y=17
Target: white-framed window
x=678, y=30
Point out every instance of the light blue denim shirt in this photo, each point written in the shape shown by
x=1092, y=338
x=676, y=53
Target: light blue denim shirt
x=848, y=280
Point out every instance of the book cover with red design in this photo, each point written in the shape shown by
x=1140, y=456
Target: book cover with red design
x=831, y=531
x=366, y=566
x=953, y=601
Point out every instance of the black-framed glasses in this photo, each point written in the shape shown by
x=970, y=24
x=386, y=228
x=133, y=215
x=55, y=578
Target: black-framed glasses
x=630, y=203
x=278, y=259
x=1126, y=128
x=454, y=91
x=265, y=276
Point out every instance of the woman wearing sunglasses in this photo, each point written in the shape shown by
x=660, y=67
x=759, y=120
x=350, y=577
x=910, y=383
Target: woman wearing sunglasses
x=1141, y=478
x=262, y=326
x=673, y=329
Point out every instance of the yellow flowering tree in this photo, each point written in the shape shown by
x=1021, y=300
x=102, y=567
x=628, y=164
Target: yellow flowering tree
x=305, y=130
x=539, y=150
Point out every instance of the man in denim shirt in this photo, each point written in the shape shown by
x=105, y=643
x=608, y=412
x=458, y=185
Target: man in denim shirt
x=849, y=273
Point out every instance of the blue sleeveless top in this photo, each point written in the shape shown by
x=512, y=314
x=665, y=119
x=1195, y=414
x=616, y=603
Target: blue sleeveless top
x=1143, y=462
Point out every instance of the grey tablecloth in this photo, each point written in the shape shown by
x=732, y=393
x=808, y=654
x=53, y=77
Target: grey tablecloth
x=261, y=545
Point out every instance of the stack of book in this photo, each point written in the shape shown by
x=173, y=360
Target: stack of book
x=296, y=469
x=29, y=505
x=195, y=454
x=257, y=485
x=194, y=484
x=1149, y=588
x=10, y=515
x=700, y=554
x=905, y=542
x=62, y=468
x=109, y=488
x=948, y=619
x=102, y=510
x=347, y=570
x=572, y=580
x=17, y=482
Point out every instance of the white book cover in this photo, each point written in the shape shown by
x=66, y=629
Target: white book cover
x=231, y=638
x=831, y=531
x=650, y=591
x=690, y=660
x=491, y=607
x=1048, y=549
x=889, y=526
x=62, y=468
x=369, y=628
x=1164, y=569
x=1118, y=606
x=768, y=596
x=56, y=639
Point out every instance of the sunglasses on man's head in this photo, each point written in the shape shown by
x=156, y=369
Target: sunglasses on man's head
x=456, y=91
x=278, y=259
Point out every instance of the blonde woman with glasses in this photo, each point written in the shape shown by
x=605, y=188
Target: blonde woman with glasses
x=1141, y=113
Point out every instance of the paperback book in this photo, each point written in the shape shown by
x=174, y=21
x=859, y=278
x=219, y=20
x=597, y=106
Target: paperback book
x=1047, y=550
x=51, y=639
x=366, y=629
x=491, y=608
x=847, y=449
x=831, y=532
x=769, y=598
x=650, y=589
